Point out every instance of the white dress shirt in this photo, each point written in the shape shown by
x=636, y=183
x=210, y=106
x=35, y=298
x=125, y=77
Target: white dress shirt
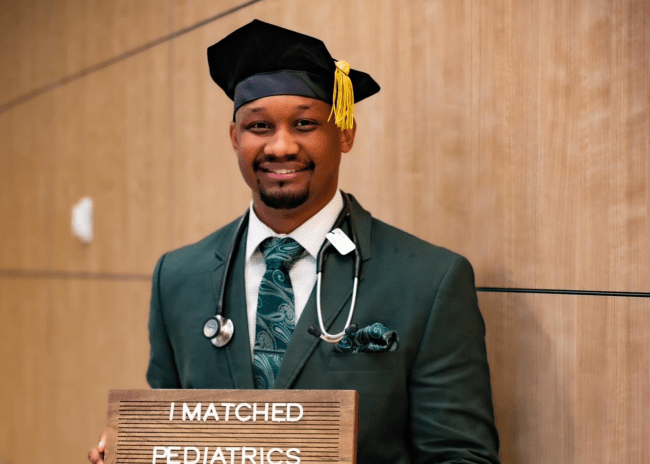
x=310, y=235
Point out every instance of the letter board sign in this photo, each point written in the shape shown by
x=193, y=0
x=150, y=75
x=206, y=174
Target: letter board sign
x=231, y=426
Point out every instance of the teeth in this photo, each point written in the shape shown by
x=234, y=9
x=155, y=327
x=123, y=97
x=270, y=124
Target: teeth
x=284, y=171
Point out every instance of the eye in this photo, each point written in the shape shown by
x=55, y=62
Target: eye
x=258, y=126
x=306, y=124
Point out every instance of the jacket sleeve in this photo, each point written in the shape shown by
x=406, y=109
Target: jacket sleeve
x=162, y=372
x=451, y=399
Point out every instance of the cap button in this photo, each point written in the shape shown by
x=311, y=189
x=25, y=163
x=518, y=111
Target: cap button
x=343, y=66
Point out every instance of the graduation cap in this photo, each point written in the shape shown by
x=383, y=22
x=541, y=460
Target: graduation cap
x=261, y=60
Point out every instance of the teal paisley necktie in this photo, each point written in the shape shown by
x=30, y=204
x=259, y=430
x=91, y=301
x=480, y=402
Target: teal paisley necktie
x=276, y=314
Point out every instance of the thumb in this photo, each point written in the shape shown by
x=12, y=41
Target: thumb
x=102, y=443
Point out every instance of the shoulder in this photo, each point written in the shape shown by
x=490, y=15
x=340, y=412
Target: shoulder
x=387, y=238
x=390, y=251
x=392, y=244
x=381, y=240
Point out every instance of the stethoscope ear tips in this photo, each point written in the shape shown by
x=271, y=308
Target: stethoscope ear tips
x=351, y=329
x=316, y=332
x=313, y=330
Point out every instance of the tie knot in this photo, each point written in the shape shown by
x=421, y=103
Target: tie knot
x=280, y=252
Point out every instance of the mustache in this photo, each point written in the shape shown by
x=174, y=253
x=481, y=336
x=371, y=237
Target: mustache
x=309, y=164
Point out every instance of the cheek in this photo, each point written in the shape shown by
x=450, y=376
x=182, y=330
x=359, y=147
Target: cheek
x=245, y=166
x=327, y=172
x=246, y=151
x=327, y=149
x=330, y=163
x=245, y=161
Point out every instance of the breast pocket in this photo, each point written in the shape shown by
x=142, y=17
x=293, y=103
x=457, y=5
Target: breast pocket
x=363, y=361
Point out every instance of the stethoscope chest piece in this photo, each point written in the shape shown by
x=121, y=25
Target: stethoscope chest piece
x=218, y=330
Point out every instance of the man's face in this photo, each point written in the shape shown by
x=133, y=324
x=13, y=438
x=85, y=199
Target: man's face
x=289, y=153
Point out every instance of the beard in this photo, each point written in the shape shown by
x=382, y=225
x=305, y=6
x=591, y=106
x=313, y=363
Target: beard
x=280, y=199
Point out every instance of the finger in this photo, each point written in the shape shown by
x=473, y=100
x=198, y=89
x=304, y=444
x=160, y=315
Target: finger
x=95, y=457
x=101, y=446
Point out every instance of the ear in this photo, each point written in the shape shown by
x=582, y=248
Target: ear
x=347, y=138
x=233, y=136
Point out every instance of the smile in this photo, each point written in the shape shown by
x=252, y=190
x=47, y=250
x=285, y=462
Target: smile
x=282, y=173
x=283, y=169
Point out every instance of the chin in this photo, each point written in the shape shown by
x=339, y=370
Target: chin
x=280, y=199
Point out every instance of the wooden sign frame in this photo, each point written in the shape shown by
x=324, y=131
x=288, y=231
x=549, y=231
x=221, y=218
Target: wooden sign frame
x=232, y=426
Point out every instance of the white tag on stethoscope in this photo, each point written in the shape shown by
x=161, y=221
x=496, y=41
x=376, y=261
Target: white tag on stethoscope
x=340, y=241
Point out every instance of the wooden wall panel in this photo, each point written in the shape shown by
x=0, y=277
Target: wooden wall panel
x=584, y=189
x=44, y=41
x=63, y=345
x=84, y=34
x=25, y=185
x=570, y=377
x=492, y=155
x=23, y=47
x=186, y=13
x=613, y=358
x=111, y=142
x=97, y=341
x=23, y=382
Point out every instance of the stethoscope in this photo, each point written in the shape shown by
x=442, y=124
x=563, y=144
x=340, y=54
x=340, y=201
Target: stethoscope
x=219, y=329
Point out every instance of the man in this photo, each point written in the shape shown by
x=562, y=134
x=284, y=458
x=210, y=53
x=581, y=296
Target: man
x=417, y=353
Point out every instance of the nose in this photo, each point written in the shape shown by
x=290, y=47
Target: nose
x=282, y=143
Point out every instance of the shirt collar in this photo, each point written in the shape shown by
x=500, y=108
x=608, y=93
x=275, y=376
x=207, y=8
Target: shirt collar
x=310, y=235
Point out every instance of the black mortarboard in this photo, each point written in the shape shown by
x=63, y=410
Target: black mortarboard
x=260, y=60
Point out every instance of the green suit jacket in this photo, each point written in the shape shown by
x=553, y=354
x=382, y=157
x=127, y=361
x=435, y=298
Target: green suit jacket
x=429, y=401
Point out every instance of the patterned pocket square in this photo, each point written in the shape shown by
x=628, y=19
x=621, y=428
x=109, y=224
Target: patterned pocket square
x=374, y=338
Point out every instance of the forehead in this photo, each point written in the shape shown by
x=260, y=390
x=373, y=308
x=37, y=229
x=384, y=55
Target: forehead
x=278, y=105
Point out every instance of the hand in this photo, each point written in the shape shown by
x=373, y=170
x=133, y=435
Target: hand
x=96, y=455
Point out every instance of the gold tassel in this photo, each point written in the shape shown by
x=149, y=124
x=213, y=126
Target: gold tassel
x=343, y=98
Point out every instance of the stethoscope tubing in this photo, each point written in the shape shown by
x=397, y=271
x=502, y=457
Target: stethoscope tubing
x=324, y=335
x=219, y=329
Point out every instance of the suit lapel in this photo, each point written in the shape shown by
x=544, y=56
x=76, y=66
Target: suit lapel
x=337, y=283
x=237, y=352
